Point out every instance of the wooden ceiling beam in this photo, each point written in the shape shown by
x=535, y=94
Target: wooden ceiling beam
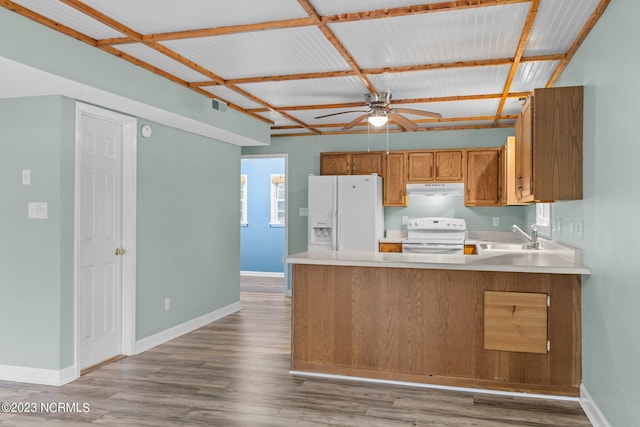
x=417, y=9
x=403, y=69
x=104, y=19
x=384, y=131
x=398, y=102
x=595, y=16
x=233, y=29
x=337, y=45
x=196, y=67
x=522, y=44
x=315, y=19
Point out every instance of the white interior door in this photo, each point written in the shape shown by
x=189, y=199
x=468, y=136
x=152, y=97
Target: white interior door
x=99, y=269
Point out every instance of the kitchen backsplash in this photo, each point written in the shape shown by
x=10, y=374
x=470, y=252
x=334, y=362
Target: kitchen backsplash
x=478, y=218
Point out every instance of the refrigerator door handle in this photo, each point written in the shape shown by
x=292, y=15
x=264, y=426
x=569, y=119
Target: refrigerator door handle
x=336, y=238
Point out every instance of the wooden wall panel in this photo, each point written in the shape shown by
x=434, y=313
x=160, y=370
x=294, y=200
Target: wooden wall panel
x=426, y=326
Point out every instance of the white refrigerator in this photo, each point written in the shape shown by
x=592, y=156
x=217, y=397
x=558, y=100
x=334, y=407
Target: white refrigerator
x=345, y=213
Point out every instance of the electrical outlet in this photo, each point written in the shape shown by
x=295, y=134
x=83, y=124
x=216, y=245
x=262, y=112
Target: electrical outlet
x=304, y=212
x=405, y=220
x=167, y=303
x=496, y=221
x=580, y=231
x=558, y=225
x=571, y=227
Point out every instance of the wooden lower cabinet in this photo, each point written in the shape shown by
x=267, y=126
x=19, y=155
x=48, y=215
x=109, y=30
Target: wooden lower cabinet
x=427, y=326
x=389, y=247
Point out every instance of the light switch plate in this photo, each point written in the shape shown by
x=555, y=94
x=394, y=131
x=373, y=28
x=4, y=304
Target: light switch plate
x=304, y=211
x=26, y=176
x=37, y=210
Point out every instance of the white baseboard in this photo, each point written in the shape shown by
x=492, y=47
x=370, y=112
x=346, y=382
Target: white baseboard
x=261, y=274
x=591, y=409
x=41, y=376
x=433, y=386
x=184, y=328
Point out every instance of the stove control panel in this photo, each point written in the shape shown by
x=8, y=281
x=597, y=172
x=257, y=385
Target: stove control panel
x=453, y=224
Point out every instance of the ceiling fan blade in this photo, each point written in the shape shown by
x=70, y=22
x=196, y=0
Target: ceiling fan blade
x=402, y=121
x=355, y=122
x=417, y=112
x=343, y=112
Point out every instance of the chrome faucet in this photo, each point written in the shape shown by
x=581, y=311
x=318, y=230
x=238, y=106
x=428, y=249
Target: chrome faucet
x=534, y=234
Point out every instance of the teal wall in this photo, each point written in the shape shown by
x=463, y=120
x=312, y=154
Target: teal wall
x=607, y=65
x=188, y=228
x=36, y=256
x=183, y=251
x=188, y=237
x=304, y=159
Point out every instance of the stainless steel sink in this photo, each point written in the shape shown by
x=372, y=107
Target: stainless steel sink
x=508, y=246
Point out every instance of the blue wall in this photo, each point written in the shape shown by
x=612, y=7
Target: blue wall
x=261, y=244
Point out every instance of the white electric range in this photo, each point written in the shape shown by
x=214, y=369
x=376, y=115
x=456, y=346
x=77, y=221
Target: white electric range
x=434, y=235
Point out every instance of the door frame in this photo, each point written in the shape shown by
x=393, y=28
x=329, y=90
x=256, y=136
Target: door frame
x=285, y=157
x=129, y=191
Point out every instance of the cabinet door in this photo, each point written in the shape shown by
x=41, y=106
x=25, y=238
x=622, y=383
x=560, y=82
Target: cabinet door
x=335, y=163
x=557, y=143
x=390, y=247
x=524, y=152
x=394, y=179
x=515, y=321
x=366, y=163
x=420, y=166
x=483, y=178
x=449, y=166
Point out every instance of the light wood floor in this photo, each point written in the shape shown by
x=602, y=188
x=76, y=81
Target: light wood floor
x=234, y=372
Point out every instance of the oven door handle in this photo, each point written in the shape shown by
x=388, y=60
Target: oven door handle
x=431, y=247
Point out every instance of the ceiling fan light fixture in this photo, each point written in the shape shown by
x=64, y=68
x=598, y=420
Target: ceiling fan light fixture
x=378, y=119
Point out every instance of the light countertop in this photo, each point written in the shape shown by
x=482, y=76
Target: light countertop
x=551, y=258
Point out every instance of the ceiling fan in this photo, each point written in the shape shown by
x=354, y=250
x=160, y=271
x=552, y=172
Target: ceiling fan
x=380, y=112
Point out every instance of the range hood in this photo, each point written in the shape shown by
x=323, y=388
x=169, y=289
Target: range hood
x=435, y=189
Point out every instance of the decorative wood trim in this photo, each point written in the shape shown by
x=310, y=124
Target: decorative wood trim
x=324, y=27
x=323, y=23
x=522, y=44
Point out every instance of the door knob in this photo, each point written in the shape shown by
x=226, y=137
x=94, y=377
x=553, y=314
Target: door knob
x=120, y=251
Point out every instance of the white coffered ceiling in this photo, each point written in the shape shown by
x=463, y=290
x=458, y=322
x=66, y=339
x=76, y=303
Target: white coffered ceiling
x=289, y=61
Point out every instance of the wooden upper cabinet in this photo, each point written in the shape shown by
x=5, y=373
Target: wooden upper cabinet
x=549, y=145
x=420, y=166
x=483, y=186
x=394, y=193
x=449, y=166
x=435, y=165
x=335, y=163
x=508, y=178
x=351, y=163
x=366, y=163
x=524, y=153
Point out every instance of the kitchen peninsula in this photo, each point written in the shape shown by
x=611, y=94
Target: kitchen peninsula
x=500, y=320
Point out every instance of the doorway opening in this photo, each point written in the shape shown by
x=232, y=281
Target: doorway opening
x=264, y=217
